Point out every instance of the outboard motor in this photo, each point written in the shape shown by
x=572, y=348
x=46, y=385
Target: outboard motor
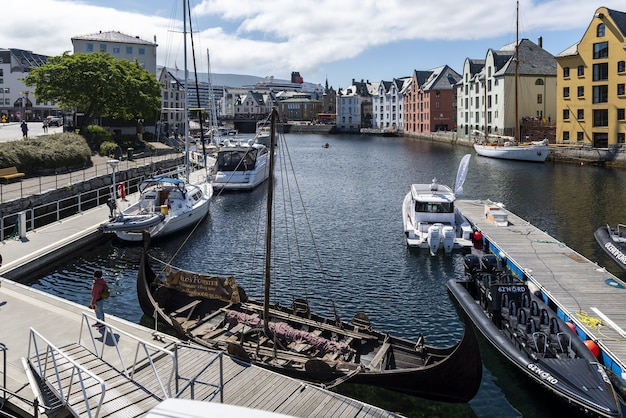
x=434, y=238
x=448, y=239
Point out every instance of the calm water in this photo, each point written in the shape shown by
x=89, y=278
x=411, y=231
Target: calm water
x=353, y=192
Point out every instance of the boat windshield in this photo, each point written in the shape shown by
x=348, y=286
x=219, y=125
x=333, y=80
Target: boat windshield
x=236, y=160
x=434, y=207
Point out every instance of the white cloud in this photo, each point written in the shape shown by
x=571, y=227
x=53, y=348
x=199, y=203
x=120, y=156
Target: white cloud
x=276, y=37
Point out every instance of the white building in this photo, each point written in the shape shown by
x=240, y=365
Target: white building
x=387, y=104
x=486, y=94
x=17, y=101
x=354, y=107
x=120, y=46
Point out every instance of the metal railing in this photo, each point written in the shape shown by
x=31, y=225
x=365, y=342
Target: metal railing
x=66, y=178
x=61, y=371
x=32, y=218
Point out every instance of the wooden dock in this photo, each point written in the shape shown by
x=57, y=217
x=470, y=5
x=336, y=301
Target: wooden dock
x=581, y=291
x=128, y=369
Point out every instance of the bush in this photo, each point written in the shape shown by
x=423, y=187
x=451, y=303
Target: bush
x=107, y=148
x=96, y=135
x=46, y=153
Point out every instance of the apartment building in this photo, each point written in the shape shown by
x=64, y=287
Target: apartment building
x=591, y=80
x=487, y=101
x=387, y=104
x=429, y=100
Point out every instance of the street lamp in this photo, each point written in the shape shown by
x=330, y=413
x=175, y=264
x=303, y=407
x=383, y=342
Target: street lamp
x=112, y=202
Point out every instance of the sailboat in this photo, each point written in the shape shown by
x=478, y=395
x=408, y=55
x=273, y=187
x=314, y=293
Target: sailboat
x=215, y=312
x=166, y=204
x=510, y=148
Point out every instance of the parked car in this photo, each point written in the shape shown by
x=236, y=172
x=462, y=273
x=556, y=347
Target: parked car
x=55, y=121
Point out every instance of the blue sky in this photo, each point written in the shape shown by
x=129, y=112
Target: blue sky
x=336, y=40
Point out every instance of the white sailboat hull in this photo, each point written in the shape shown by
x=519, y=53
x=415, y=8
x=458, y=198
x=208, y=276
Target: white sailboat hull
x=537, y=153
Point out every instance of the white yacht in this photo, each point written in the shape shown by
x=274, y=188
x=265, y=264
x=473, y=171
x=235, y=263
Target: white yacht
x=431, y=219
x=240, y=166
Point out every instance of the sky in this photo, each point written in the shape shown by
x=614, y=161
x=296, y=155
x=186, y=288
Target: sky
x=324, y=40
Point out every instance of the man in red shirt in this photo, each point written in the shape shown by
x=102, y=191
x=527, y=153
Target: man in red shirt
x=97, y=302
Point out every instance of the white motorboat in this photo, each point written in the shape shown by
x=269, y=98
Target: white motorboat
x=240, y=166
x=165, y=205
x=431, y=219
x=531, y=151
x=263, y=132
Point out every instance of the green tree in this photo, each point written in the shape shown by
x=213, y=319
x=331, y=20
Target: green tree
x=97, y=84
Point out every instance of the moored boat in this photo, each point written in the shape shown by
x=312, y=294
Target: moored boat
x=613, y=242
x=240, y=166
x=531, y=336
x=533, y=151
x=165, y=206
x=430, y=218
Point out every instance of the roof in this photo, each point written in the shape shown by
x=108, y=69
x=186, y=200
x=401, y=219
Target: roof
x=113, y=36
x=619, y=18
x=533, y=60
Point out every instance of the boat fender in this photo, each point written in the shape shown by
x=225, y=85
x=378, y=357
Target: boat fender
x=121, y=191
x=477, y=236
x=572, y=327
x=593, y=347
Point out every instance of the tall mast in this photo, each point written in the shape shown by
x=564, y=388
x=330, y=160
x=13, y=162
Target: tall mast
x=213, y=129
x=516, y=135
x=186, y=104
x=268, y=232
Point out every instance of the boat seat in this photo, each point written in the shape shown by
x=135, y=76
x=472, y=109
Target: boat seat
x=561, y=342
x=522, y=320
x=538, y=341
x=525, y=300
x=511, y=313
x=534, y=309
x=544, y=321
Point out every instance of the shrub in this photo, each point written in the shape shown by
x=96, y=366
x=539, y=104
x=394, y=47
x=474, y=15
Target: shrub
x=107, y=148
x=45, y=153
x=96, y=135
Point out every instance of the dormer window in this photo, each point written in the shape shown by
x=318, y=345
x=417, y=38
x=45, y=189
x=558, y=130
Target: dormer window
x=600, y=30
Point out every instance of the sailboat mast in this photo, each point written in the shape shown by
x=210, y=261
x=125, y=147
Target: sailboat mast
x=516, y=135
x=186, y=99
x=268, y=232
x=213, y=128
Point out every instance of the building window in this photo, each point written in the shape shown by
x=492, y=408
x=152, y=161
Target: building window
x=539, y=82
x=601, y=50
x=601, y=117
x=103, y=47
x=540, y=98
x=600, y=94
x=566, y=92
x=621, y=66
x=581, y=114
x=566, y=72
x=600, y=30
x=141, y=50
x=620, y=137
x=129, y=50
x=601, y=71
x=620, y=114
x=565, y=135
x=89, y=47
x=581, y=91
x=565, y=114
x=581, y=70
x=620, y=89
x=580, y=136
x=116, y=49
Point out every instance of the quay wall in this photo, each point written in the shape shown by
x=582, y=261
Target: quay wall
x=562, y=153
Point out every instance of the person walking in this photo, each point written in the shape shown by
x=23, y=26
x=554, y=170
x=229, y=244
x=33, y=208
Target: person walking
x=45, y=126
x=97, y=302
x=24, y=127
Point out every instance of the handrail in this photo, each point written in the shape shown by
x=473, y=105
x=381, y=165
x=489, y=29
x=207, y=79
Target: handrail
x=147, y=347
x=42, y=215
x=50, y=354
x=191, y=382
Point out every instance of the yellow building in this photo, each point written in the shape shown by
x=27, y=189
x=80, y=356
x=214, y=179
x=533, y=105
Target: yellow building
x=591, y=76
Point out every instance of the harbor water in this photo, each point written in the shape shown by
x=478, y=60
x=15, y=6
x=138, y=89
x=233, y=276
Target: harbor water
x=353, y=191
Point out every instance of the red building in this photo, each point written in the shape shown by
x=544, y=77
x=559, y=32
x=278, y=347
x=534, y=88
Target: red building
x=430, y=101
